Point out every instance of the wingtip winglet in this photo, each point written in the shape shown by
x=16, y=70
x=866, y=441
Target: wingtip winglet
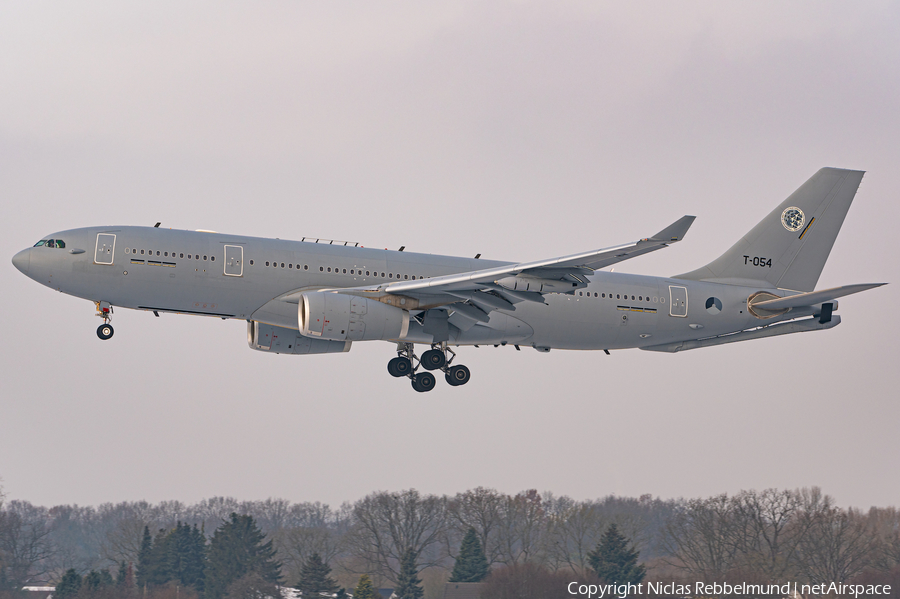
x=676, y=231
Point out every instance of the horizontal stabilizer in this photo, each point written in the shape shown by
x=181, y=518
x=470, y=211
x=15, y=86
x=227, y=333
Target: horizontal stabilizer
x=813, y=298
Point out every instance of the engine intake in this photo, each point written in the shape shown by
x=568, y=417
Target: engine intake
x=341, y=317
x=279, y=340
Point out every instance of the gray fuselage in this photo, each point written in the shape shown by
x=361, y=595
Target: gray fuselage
x=180, y=271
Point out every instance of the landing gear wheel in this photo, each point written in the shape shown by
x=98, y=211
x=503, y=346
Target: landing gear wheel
x=457, y=375
x=399, y=366
x=422, y=382
x=105, y=331
x=433, y=359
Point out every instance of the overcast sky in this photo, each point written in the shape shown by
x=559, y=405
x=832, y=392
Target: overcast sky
x=518, y=130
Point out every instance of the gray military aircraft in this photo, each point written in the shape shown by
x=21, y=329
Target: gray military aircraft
x=315, y=296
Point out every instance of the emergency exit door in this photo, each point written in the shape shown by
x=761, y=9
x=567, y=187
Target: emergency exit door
x=234, y=260
x=105, y=248
x=678, y=301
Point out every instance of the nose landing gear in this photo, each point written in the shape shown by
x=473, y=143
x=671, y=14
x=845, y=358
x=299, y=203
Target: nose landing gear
x=407, y=364
x=104, y=311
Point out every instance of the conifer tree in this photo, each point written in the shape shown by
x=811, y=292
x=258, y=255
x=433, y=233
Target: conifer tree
x=364, y=589
x=186, y=556
x=314, y=577
x=471, y=565
x=408, y=583
x=159, y=565
x=106, y=578
x=93, y=580
x=143, y=563
x=237, y=549
x=614, y=561
x=69, y=586
x=122, y=574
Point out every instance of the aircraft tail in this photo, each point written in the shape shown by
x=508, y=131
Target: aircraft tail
x=789, y=247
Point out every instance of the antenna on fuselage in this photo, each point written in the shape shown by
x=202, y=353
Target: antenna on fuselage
x=156, y=226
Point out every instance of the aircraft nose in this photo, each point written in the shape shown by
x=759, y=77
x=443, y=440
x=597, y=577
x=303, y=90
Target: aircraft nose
x=22, y=260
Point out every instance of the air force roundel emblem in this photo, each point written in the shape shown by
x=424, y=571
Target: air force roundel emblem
x=792, y=219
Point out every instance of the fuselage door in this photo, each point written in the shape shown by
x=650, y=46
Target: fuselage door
x=105, y=248
x=678, y=301
x=234, y=261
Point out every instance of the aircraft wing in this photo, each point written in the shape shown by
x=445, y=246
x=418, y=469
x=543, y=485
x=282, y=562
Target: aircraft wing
x=814, y=297
x=474, y=294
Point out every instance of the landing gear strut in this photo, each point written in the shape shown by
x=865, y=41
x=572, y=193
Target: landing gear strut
x=407, y=364
x=104, y=311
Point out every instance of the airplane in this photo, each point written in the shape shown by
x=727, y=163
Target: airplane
x=319, y=296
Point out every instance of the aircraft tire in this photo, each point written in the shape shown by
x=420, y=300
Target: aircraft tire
x=457, y=375
x=423, y=382
x=394, y=368
x=433, y=359
x=105, y=331
x=403, y=366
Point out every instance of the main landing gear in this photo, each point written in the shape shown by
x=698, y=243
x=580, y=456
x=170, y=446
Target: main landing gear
x=104, y=311
x=434, y=359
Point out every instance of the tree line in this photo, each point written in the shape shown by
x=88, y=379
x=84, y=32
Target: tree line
x=416, y=542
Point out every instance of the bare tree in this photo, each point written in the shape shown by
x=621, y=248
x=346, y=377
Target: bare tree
x=24, y=543
x=838, y=546
x=482, y=510
x=314, y=528
x=885, y=523
x=387, y=525
x=522, y=530
x=700, y=538
x=769, y=529
x=574, y=529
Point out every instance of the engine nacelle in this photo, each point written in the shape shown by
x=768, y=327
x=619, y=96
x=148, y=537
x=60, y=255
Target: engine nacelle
x=523, y=283
x=342, y=317
x=279, y=340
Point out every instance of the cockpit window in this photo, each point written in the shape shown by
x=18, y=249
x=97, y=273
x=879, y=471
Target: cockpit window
x=51, y=243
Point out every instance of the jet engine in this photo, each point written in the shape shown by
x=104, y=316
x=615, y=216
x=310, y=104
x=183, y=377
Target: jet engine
x=279, y=340
x=341, y=317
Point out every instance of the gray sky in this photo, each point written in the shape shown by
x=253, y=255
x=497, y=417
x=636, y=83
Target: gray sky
x=520, y=130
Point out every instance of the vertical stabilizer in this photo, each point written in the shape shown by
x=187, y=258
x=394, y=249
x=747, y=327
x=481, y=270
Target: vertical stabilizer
x=789, y=247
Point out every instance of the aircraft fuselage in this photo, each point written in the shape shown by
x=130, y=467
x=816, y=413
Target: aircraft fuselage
x=167, y=270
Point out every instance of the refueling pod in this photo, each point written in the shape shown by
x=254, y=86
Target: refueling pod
x=526, y=283
x=342, y=317
x=279, y=340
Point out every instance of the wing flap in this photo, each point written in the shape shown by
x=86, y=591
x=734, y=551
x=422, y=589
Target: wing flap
x=578, y=262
